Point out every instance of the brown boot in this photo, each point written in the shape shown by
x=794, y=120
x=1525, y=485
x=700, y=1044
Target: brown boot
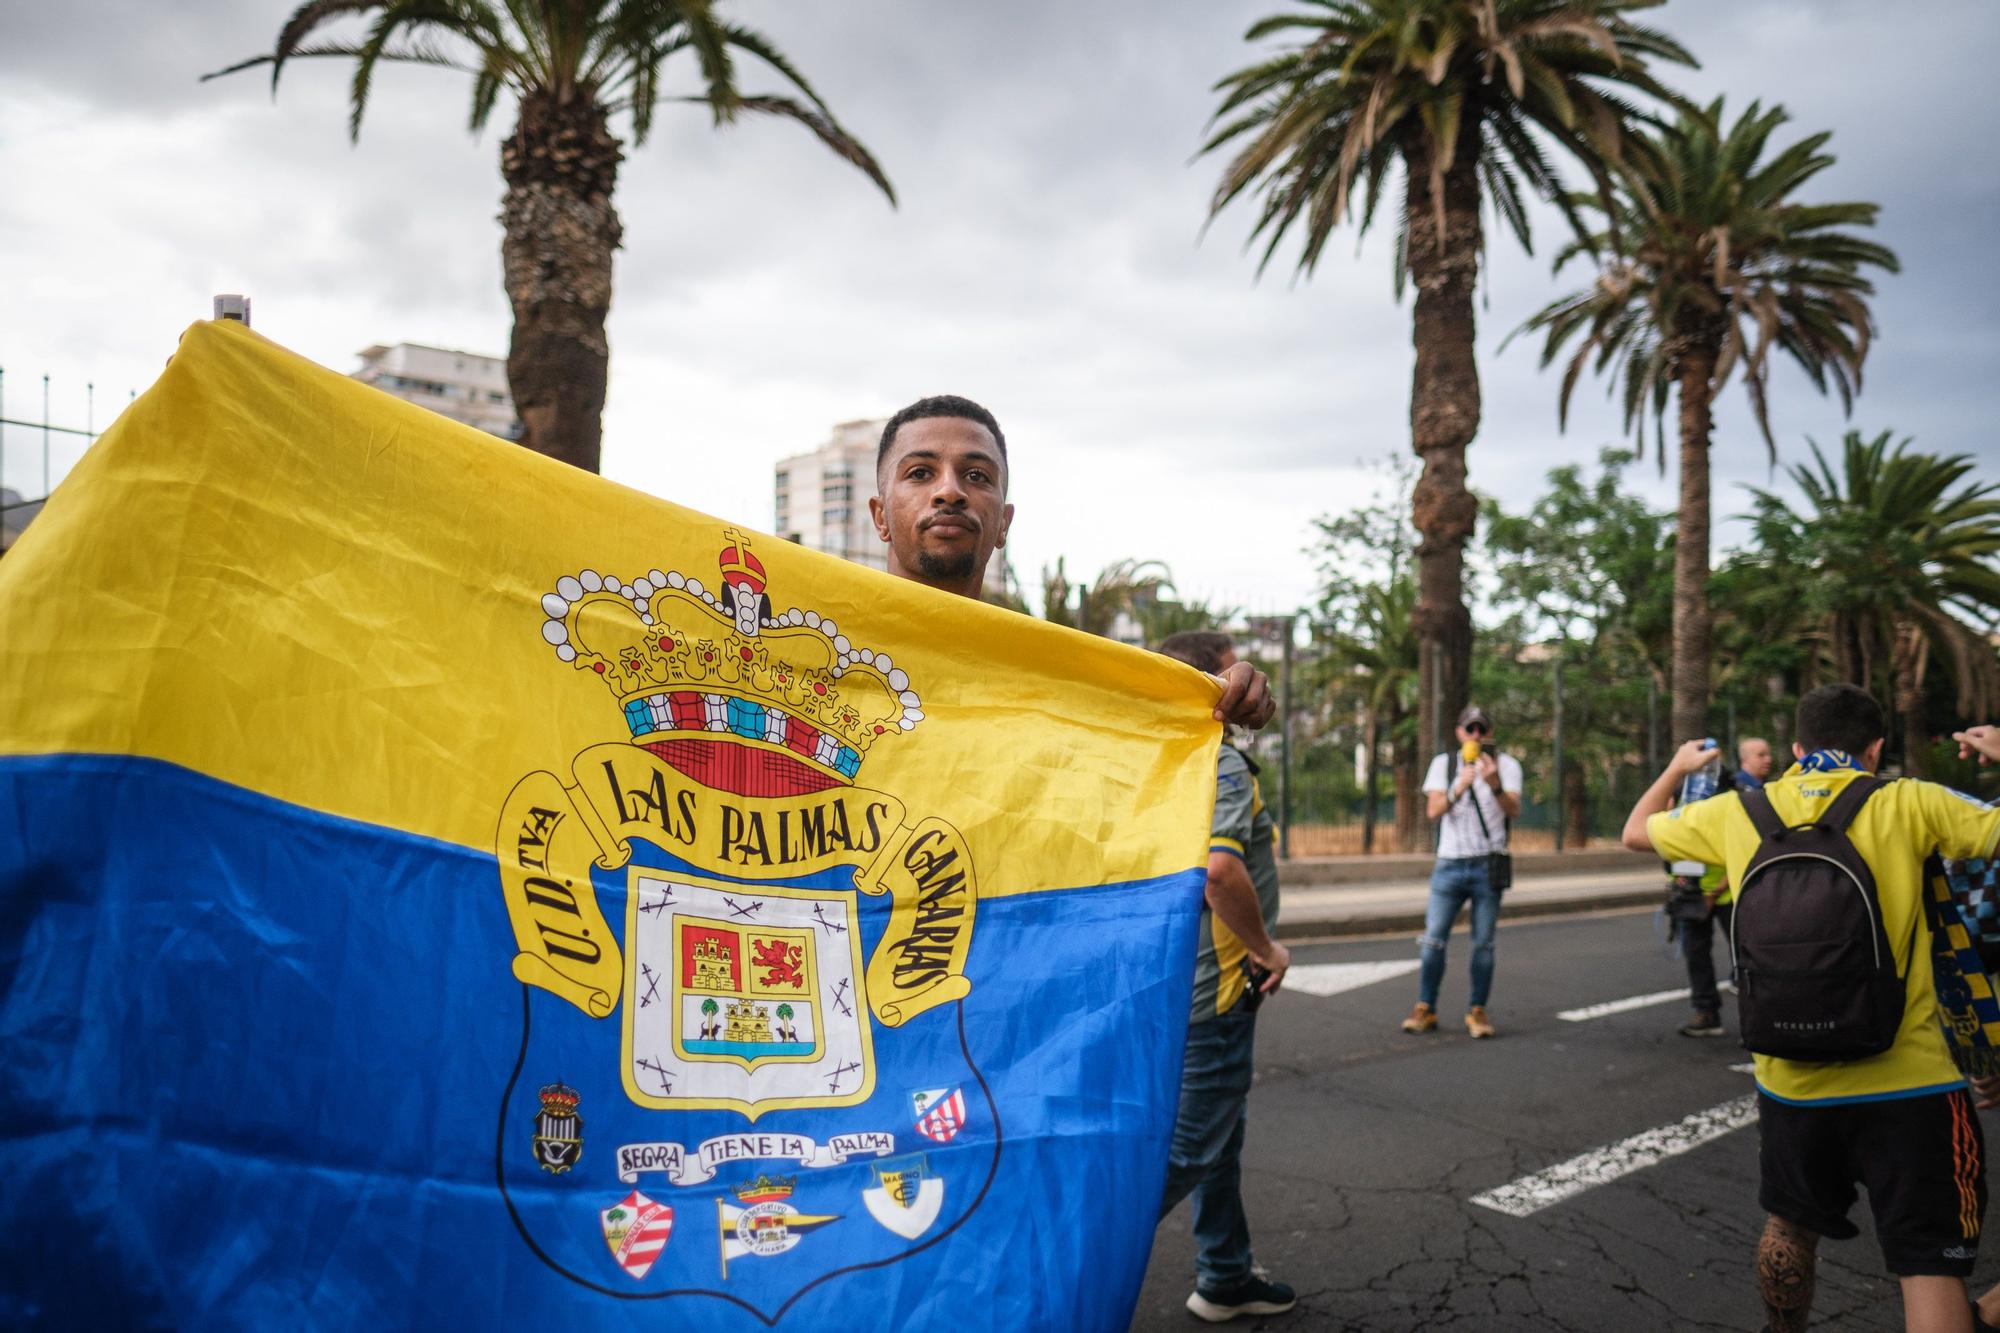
x=1476, y=1023
x=1423, y=1018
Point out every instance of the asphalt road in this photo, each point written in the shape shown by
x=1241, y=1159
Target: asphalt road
x=1367, y=1146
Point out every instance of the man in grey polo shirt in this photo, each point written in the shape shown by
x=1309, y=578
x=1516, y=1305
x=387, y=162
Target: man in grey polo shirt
x=1237, y=964
x=1472, y=794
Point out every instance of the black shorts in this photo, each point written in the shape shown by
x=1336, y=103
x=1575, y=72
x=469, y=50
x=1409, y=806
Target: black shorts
x=1922, y=1160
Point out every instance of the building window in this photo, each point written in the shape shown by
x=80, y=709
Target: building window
x=837, y=515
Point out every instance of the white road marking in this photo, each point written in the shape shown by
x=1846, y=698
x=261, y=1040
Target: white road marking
x=1601, y=1166
x=1749, y=1067
x=1620, y=1006
x=1325, y=979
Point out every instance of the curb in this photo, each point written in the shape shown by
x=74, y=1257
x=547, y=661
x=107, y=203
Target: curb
x=1397, y=922
x=1415, y=867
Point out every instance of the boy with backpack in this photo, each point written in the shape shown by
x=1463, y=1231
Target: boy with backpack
x=1835, y=996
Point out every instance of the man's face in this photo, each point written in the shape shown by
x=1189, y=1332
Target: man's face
x=943, y=508
x=1754, y=758
x=1475, y=730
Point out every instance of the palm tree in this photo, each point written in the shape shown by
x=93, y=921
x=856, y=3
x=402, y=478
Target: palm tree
x=785, y=1023
x=570, y=67
x=1160, y=617
x=1900, y=552
x=1709, y=263
x=1467, y=96
x=1124, y=586
x=709, y=1027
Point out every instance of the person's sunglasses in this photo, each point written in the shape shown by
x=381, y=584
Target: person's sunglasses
x=1477, y=729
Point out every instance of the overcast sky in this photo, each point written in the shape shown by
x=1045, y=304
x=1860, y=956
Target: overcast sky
x=1047, y=257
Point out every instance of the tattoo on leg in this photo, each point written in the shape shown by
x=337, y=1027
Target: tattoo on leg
x=1785, y=1274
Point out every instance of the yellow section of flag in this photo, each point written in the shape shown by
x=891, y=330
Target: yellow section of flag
x=271, y=574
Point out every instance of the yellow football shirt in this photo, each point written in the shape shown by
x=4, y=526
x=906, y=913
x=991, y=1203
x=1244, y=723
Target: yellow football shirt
x=1899, y=827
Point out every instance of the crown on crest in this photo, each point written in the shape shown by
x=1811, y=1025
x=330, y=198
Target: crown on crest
x=688, y=661
x=559, y=1099
x=766, y=1189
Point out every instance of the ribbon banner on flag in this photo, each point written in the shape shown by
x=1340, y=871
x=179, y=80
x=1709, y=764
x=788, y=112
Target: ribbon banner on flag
x=438, y=886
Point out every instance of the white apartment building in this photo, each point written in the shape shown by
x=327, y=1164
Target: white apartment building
x=820, y=499
x=464, y=386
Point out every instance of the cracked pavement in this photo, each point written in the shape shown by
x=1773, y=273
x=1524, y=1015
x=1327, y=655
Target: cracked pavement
x=1365, y=1146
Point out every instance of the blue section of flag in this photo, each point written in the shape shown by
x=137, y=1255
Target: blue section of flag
x=266, y=1067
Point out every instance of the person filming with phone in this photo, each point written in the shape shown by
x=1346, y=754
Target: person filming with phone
x=1473, y=793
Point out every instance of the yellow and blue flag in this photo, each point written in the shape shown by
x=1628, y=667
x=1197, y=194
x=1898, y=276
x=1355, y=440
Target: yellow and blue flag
x=440, y=888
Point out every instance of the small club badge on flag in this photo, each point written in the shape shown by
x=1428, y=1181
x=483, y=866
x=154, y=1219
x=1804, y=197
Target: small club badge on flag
x=906, y=1197
x=940, y=1113
x=637, y=1229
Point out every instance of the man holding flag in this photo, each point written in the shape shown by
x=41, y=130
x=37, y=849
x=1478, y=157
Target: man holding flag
x=474, y=881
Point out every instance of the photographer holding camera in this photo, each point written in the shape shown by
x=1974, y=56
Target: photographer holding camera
x=1472, y=793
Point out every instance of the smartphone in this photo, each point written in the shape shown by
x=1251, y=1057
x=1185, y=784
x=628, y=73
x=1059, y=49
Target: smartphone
x=1255, y=979
x=1488, y=748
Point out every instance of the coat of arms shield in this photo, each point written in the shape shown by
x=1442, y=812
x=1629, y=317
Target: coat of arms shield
x=743, y=997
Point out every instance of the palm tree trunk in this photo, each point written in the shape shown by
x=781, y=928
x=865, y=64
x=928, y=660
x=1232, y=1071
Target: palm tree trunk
x=1576, y=806
x=1690, y=708
x=1444, y=416
x=1409, y=800
x=561, y=166
x=1912, y=657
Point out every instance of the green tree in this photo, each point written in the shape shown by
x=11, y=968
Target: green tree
x=1584, y=578
x=570, y=67
x=1160, y=616
x=1467, y=97
x=709, y=1010
x=1124, y=586
x=1709, y=262
x=1377, y=656
x=1897, y=556
x=1369, y=652
x=785, y=1022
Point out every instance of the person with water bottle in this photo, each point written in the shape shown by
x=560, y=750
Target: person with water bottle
x=1473, y=793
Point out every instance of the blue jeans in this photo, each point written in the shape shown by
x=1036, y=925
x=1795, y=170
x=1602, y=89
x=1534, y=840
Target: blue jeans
x=1207, y=1152
x=1455, y=881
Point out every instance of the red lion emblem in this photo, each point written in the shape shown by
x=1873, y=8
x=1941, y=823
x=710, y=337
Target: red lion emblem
x=780, y=961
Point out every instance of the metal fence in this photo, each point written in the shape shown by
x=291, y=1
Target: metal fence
x=1327, y=814
x=50, y=450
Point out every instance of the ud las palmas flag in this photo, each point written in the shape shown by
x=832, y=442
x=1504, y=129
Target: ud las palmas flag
x=441, y=888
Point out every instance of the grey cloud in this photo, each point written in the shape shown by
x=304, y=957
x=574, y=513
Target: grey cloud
x=1047, y=256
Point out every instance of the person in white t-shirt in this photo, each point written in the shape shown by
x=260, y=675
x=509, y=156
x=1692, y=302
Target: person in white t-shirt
x=1472, y=801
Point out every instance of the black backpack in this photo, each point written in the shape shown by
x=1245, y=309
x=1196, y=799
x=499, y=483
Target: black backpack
x=1815, y=976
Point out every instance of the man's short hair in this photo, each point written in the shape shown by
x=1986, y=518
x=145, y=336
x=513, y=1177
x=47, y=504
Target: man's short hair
x=1839, y=717
x=939, y=405
x=1202, y=649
